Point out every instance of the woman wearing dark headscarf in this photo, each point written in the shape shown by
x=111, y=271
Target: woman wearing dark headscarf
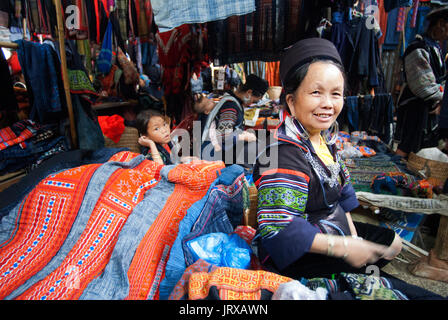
x=304, y=191
x=420, y=100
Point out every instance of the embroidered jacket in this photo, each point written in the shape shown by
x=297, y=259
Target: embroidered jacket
x=298, y=197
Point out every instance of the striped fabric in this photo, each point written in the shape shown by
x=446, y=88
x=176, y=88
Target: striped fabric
x=169, y=14
x=281, y=196
x=227, y=121
x=17, y=134
x=420, y=76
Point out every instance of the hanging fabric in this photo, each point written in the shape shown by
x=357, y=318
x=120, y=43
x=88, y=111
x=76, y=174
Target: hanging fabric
x=169, y=14
x=104, y=61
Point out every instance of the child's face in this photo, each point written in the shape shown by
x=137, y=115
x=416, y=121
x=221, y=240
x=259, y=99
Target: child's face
x=158, y=130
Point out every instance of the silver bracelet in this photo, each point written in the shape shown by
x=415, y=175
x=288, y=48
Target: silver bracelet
x=330, y=240
x=345, y=247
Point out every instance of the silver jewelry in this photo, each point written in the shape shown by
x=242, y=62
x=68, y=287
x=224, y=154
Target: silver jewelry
x=334, y=169
x=331, y=135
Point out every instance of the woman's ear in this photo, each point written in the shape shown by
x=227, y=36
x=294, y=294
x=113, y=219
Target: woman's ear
x=290, y=103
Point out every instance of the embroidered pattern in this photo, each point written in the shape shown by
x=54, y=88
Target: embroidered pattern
x=46, y=216
x=234, y=284
x=280, y=198
x=92, y=250
x=332, y=180
x=59, y=184
x=191, y=184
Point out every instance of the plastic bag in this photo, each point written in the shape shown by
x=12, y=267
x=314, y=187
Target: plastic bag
x=221, y=250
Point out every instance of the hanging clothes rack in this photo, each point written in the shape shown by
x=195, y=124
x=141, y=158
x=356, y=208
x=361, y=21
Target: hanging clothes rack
x=65, y=79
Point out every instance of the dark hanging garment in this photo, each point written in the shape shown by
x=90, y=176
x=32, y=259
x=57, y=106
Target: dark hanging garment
x=50, y=11
x=262, y=35
x=41, y=69
x=8, y=102
x=91, y=19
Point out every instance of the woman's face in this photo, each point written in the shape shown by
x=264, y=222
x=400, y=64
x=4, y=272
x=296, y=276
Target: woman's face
x=158, y=130
x=319, y=99
x=443, y=30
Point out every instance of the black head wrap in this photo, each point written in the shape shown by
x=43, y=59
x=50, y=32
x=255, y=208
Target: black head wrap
x=305, y=51
x=439, y=13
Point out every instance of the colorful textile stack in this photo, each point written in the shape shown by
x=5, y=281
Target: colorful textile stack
x=81, y=212
x=205, y=281
x=148, y=266
x=26, y=144
x=17, y=133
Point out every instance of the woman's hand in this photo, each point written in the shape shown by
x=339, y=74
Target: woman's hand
x=146, y=142
x=188, y=159
x=247, y=136
x=359, y=253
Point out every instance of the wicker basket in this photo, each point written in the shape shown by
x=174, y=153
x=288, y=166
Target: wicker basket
x=274, y=92
x=428, y=168
x=129, y=139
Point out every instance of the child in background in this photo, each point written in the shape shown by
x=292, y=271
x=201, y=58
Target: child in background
x=155, y=137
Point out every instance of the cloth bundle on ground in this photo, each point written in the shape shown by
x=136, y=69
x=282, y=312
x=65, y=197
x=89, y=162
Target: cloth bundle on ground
x=220, y=210
x=112, y=126
x=390, y=181
x=111, y=227
x=26, y=144
x=204, y=281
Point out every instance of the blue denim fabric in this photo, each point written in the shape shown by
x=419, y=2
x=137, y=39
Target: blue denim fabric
x=90, y=136
x=352, y=112
x=93, y=192
x=392, y=37
x=382, y=111
x=221, y=213
x=15, y=158
x=11, y=196
x=410, y=33
x=41, y=73
x=113, y=283
x=365, y=113
x=176, y=263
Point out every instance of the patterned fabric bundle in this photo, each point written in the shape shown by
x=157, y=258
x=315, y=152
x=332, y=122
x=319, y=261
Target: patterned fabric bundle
x=17, y=133
x=203, y=281
x=148, y=265
x=226, y=190
x=52, y=213
x=81, y=213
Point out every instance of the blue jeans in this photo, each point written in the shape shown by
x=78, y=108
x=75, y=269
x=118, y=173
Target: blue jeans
x=15, y=158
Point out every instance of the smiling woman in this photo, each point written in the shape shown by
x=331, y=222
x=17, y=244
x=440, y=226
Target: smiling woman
x=304, y=203
x=317, y=102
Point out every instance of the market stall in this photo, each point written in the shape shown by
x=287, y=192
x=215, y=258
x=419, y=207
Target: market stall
x=124, y=227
